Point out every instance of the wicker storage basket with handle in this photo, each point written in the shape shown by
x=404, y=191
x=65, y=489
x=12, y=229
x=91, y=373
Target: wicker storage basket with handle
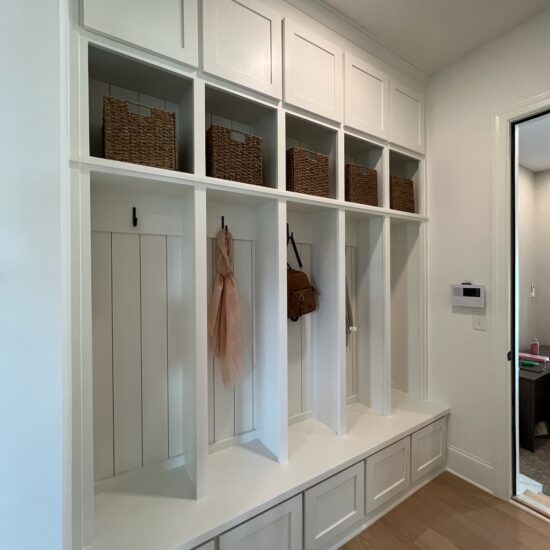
x=233, y=159
x=361, y=184
x=142, y=139
x=307, y=172
x=402, y=194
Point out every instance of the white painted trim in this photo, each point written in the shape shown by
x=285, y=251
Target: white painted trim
x=501, y=405
x=473, y=469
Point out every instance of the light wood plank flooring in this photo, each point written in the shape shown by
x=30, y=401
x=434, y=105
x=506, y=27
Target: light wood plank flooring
x=451, y=514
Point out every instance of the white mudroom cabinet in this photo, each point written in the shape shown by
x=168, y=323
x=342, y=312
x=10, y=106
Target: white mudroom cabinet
x=328, y=425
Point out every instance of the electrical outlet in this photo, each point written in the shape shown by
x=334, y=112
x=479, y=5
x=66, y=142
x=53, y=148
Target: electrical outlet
x=480, y=322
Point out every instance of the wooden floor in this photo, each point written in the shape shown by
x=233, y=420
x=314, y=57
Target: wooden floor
x=450, y=514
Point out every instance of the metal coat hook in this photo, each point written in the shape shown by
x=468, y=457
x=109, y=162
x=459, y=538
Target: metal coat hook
x=223, y=224
x=134, y=216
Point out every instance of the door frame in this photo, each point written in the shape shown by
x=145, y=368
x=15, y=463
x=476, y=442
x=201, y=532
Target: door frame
x=503, y=302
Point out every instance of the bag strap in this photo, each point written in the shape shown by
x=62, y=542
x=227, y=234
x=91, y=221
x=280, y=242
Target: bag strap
x=290, y=239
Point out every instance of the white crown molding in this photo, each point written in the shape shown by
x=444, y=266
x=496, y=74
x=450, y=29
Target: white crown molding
x=349, y=30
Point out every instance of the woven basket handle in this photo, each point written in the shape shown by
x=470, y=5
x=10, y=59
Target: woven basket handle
x=363, y=166
x=128, y=102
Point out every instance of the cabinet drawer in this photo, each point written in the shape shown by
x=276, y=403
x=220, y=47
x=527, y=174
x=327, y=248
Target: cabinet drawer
x=277, y=529
x=388, y=473
x=334, y=507
x=210, y=545
x=428, y=448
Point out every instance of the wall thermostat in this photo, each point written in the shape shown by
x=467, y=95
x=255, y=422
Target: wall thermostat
x=468, y=295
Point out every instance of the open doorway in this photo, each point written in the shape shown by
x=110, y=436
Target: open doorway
x=532, y=310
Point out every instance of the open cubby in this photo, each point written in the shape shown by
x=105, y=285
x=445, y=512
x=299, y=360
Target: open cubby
x=247, y=117
x=407, y=167
x=247, y=411
x=365, y=153
x=406, y=308
x=313, y=373
x=143, y=337
x=365, y=343
x=303, y=133
x=112, y=74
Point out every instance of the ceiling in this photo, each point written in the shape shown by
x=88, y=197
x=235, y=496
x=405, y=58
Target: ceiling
x=534, y=144
x=431, y=34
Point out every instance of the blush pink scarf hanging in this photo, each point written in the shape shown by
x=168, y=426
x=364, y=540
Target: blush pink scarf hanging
x=225, y=323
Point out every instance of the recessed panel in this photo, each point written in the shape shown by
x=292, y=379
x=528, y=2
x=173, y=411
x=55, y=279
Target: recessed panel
x=407, y=117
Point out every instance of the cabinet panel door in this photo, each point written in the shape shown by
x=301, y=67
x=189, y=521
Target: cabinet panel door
x=366, y=97
x=166, y=27
x=334, y=507
x=388, y=473
x=406, y=117
x=428, y=448
x=313, y=72
x=211, y=545
x=277, y=529
x=242, y=43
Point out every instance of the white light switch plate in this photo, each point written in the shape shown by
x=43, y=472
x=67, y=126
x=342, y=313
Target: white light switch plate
x=480, y=322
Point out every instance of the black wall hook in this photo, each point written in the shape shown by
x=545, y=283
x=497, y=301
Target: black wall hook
x=223, y=224
x=134, y=216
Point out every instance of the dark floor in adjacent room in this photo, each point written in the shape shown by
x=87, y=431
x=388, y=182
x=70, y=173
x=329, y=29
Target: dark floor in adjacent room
x=537, y=465
x=451, y=514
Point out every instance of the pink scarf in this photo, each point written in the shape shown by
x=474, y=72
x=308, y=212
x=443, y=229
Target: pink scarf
x=225, y=323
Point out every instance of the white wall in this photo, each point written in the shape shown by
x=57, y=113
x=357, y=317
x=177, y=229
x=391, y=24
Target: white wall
x=542, y=280
x=31, y=275
x=527, y=247
x=462, y=102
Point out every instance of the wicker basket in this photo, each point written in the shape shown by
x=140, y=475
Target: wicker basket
x=402, y=194
x=307, y=172
x=361, y=184
x=231, y=159
x=141, y=139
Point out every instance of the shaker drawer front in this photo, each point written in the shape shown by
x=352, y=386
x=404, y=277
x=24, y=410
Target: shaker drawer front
x=277, y=529
x=428, y=448
x=388, y=473
x=334, y=506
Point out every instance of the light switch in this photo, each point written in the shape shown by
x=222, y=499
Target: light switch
x=480, y=322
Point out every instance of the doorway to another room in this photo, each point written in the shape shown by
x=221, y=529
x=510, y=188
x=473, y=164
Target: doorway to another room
x=531, y=192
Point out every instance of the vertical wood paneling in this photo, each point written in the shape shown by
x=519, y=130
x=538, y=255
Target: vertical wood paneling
x=154, y=339
x=244, y=397
x=126, y=351
x=175, y=352
x=351, y=362
x=209, y=282
x=102, y=328
x=307, y=341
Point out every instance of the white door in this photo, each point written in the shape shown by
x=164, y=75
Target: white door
x=406, y=116
x=166, y=27
x=366, y=97
x=277, y=529
x=313, y=72
x=242, y=43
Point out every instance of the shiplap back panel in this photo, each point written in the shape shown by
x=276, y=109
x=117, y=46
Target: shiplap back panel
x=231, y=410
x=351, y=346
x=299, y=347
x=137, y=318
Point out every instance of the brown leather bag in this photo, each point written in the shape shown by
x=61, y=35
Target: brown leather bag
x=301, y=294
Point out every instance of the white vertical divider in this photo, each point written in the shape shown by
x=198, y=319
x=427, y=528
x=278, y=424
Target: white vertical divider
x=385, y=180
x=281, y=148
x=271, y=339
x=195, y=345
x=328, y=326
x=374, y=328
x=84, y=99
x=199, y=130
x=340, y=165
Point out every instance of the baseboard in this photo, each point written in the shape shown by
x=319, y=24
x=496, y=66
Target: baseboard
x=470, y=468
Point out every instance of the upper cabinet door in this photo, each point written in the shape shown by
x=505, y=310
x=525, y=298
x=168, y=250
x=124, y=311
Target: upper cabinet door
x=406, y=117
x=313, y=72
x=242, y=43
x=366, y=98
x=166, y=27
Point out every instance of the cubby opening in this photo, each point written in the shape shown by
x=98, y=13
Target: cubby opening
x=248, y=410
x=407, y=167
x=314, y=380
x=406, y=308
x=316, y=138
x=245, y=116
x=367, y=154
x=143, y=86
x=365, y=338
x=143, y=337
